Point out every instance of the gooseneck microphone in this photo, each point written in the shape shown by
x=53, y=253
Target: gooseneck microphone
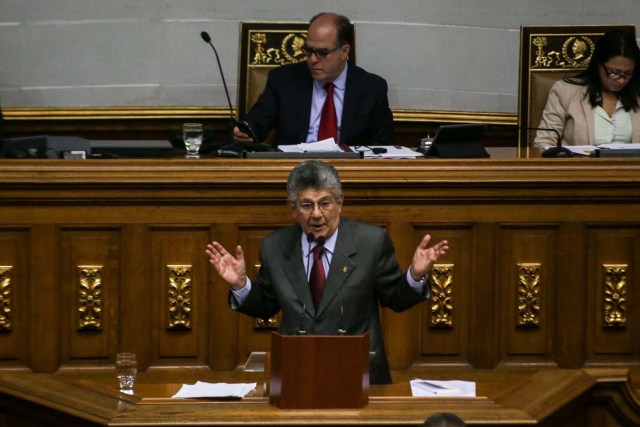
x=207, y=39
x=243, y=126
x=558, y=150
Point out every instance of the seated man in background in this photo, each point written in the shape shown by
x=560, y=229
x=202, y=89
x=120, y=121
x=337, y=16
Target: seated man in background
x=324, y=97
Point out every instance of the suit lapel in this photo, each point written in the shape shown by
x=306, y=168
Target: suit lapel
x=342, y=266
x=587, y=109
x=304, y=94
x=349, y=104
x=294, y=270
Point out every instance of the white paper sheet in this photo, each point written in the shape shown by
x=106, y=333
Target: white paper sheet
x=325, y=146
x=392, y=152
x=436, y=388
x=213, y=390
x=585, y=150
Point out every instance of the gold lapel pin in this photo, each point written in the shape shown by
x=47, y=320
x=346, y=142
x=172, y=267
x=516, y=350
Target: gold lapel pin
x=345, y=269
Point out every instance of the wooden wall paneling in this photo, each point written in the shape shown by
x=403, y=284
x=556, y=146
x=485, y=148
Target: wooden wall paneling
x=483, y=298
x=401, y=331
x=178, y=248
x=526, y=261
x=253, y=334
x=441, y=342
x=569, y=288
x=82, y=249
x=14, y=296
x=613, y=245
x=45, y=298
x=135, y=296
x=223, y=344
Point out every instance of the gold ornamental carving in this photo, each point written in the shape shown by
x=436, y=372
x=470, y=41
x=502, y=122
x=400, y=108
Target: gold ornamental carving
x=615, y=295
x=5, y=298
x=529, y=287
x=441, y=278
x=561, y=51
x=179, y=297
x=271, y=322
x=89, y=297
x=276, y=47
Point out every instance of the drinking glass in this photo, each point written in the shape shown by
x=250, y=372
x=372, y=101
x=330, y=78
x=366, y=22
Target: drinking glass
x=192, y=134
x=126, y=370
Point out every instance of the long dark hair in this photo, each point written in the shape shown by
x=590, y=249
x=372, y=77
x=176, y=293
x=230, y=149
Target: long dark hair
x=612, y=43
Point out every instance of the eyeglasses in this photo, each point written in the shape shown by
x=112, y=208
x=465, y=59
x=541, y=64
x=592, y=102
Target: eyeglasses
x=614, y=75
x=319, y=53
x=308, y=207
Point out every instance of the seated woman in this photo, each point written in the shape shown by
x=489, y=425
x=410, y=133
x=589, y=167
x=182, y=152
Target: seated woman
x=601, y=104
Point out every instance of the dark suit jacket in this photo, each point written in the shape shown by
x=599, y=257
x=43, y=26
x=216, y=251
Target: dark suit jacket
x=364, y=275
x=286, y=105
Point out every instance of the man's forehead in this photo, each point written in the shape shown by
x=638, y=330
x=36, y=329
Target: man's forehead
x=314, y=194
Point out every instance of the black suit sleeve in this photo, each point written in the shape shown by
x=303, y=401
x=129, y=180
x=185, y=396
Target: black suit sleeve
x=381, y=122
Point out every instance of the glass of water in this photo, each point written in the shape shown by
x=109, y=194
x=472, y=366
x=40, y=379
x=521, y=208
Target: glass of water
x=192, y=134
x=126, y=371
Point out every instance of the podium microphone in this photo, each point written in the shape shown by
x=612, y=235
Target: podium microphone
x=558, y=150
x=243, y=126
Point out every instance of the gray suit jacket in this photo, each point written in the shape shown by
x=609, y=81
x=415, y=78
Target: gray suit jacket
x=364, y=275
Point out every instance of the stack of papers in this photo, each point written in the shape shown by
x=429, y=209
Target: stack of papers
x=213, y=390
x=585, y=150
x=391, y=152
x=324, y=146
x=435, y=388
x=330, y=146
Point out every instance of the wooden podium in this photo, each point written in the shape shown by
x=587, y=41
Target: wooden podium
x=319, y=371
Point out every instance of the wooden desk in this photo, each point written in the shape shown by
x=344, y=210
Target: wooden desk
x=506, y=398
x=537, y=247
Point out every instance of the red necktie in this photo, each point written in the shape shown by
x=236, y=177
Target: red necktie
x=317, y=278
x=328, y=120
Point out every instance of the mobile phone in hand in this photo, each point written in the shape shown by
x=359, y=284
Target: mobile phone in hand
x=244, y=127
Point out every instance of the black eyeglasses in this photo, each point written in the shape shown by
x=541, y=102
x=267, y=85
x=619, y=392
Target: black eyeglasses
x=306, y=207
x=319, y=53
x=615, y=75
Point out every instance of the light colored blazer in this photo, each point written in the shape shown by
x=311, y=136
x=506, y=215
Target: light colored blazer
x=569, y=112
x=364, y=275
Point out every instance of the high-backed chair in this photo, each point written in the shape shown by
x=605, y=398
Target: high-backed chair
x=264, y=46
x=548, y=54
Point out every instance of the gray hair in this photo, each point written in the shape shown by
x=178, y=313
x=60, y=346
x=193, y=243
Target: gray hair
x=313, y=174
x=444, y=419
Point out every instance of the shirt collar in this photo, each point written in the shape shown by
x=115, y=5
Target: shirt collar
x=329, y=244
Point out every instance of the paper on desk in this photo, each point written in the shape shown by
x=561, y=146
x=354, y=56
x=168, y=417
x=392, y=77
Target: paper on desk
x=581, y=150
x=325, y=146
x=393, y=152
x=618, y=145
x=204, y=389
x=585, y=150
x=435, y=388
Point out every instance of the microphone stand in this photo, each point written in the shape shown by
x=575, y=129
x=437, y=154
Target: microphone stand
x=233, y=149
x=558, y=150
